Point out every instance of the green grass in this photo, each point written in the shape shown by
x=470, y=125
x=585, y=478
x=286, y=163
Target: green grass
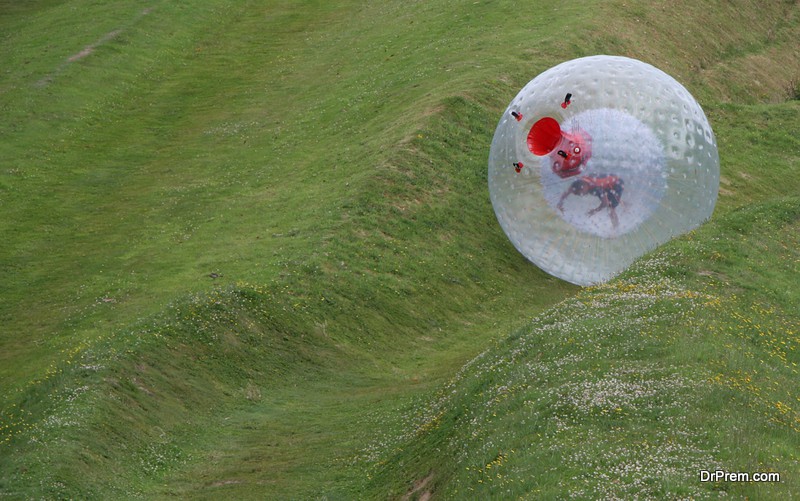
x=326, y=163
x=631, y=388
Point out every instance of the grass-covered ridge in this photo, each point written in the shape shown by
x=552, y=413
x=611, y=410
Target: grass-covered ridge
x=633, y=387
x=246, y=243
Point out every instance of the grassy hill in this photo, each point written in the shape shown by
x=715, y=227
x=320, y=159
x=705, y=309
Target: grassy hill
x=248, y=251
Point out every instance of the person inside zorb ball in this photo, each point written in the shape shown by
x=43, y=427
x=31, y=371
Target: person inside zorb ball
x=597, y=161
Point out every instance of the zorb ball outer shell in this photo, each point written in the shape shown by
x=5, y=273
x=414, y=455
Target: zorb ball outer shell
x=597, y=161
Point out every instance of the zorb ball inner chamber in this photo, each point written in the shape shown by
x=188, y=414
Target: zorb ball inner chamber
x=597, y=161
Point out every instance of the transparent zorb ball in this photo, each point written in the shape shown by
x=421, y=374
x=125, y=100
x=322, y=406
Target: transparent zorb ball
x=597, y=161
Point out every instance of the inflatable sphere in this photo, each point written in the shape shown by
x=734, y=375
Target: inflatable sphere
x=597, y=161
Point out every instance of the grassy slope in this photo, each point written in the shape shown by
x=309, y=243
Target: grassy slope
x=357, y=273
x=224, y=142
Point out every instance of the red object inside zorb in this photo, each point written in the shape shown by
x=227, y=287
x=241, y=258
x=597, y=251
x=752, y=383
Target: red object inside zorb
x=570, y=151
x=544, y=136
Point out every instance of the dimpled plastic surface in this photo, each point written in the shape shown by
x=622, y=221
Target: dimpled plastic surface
x=650, y=143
